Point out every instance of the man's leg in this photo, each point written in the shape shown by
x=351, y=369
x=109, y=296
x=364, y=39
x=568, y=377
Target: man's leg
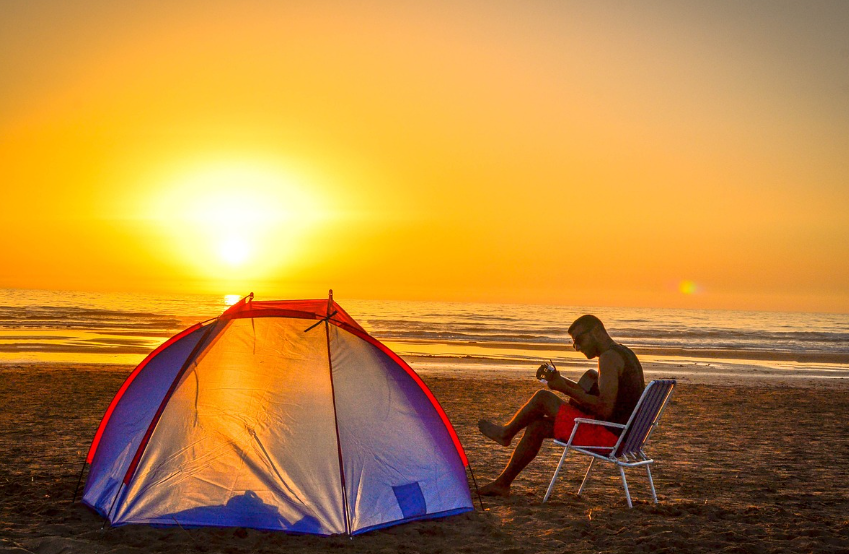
x=542, y=404
x=525, y=451
x=537, y=418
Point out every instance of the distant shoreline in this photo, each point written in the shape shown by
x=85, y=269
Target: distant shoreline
x=465, y=352
x=107, y=350
x=712, y=353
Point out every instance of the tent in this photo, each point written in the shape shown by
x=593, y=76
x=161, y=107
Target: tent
x=281, y=415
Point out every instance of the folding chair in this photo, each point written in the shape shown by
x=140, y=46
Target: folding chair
x=628, y=450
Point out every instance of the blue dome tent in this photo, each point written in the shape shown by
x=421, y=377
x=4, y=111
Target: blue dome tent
x=281, y=415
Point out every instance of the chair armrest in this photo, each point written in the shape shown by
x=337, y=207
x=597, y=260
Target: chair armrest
x=599, y=422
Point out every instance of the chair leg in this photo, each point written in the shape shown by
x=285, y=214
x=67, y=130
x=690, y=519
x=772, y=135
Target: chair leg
x=586, y=477
x=625, y=484
x=651, y=483
x=554, y=477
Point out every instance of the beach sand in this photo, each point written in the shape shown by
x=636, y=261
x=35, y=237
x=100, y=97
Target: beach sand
x=743, y=465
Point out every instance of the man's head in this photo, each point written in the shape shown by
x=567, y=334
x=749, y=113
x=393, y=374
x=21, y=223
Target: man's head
x=588, y=335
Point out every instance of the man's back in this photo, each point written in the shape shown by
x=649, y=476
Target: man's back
x=631, y=385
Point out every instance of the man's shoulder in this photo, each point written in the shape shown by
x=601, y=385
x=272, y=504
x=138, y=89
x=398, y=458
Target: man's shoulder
x=611, y=358
x=629, y=357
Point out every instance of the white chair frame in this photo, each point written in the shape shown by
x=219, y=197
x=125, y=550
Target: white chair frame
x=628, y=450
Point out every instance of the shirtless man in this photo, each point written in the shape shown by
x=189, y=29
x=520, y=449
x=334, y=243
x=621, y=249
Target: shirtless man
x=546, y=415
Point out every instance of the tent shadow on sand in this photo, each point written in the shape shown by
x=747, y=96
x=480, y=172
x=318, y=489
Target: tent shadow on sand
x=245, y=510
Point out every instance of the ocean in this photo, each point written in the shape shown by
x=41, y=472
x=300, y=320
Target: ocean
x=121, y=328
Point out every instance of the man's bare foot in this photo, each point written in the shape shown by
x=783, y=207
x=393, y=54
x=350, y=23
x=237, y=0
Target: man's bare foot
x=494, y=489
x=494, y=432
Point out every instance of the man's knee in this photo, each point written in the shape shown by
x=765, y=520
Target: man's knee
x=544, y=396
x=547, y=401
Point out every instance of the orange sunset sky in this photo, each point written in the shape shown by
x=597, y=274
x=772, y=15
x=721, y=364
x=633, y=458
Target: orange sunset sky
x=669, y=154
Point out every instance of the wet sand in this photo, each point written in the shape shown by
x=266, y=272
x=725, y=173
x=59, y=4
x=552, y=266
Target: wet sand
x=743, y=465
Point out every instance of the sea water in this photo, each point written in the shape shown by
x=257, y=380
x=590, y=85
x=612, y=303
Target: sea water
x=122, y=328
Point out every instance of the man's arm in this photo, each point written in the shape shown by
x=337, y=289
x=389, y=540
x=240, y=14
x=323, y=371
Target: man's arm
x=610, y=365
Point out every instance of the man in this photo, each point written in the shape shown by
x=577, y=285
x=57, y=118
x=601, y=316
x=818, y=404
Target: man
x=547, y=415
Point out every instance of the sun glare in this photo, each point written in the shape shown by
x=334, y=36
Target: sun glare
x=234, y=251
x=236, y=221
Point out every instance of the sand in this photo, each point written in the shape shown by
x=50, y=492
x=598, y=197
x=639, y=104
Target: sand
x=746, y=465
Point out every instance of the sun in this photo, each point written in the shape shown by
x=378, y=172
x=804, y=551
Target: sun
x=237, y=221
x=234, y=250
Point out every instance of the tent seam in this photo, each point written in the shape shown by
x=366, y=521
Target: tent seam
x=345, y=507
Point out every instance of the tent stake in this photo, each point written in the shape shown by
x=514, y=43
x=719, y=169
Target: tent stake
x=478, y=492
x=80, y=480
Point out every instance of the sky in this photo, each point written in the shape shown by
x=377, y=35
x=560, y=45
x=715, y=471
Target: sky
x=685, y=154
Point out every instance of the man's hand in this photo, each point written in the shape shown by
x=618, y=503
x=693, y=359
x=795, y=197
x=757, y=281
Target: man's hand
x=547, y=372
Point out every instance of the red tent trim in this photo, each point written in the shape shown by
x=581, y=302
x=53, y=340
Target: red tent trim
x=299, y=309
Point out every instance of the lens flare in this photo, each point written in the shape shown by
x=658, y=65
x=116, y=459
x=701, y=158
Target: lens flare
x=688, y=287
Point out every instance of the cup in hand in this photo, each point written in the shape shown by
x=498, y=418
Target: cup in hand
x=546, y=371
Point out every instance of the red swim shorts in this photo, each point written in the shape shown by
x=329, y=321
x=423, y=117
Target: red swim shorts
x=587, y=435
